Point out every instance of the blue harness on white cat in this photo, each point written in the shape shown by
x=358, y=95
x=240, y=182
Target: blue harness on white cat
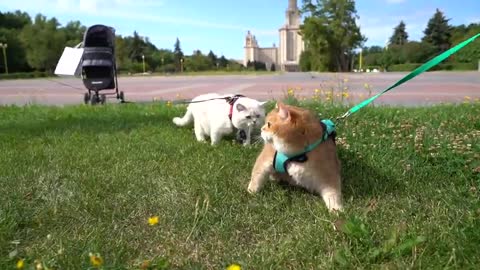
x=281, y=160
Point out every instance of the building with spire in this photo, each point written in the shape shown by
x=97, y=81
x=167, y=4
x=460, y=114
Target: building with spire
x=286, y=57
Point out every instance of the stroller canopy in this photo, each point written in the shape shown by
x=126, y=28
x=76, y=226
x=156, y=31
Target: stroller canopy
x=99, y=36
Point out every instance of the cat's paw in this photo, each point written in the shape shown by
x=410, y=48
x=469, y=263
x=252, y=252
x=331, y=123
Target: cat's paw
x=252, y=189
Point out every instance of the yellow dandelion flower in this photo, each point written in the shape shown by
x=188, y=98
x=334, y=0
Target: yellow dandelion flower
x=467, y=98
x=21, y=264
x=169, y=103
x=345, y=95
x=153, y=220
x=234, y=267
x=366, y=85
x=96, y=260
x=317, y=91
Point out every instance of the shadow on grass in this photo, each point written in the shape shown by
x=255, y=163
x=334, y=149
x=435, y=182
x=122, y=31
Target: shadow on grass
x=359, y=179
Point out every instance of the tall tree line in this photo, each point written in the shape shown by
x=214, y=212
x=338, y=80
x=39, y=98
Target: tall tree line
x=332, y=38
x=37, y=44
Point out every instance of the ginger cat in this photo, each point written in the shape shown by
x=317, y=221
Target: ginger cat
x=289, y=130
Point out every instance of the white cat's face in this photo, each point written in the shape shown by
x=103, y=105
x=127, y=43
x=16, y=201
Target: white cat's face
x=249, y=113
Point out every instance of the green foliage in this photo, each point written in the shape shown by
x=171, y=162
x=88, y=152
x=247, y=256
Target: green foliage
x=178, y=55
x=38, y=46
x=331, y=33
x=25, y=75
x=43, y=42
x=438, y=32
x=400, y=36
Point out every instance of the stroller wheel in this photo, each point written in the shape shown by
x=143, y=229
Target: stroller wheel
x=103, y=99
x=86, y=98
x=121, y=96
x=95, y=99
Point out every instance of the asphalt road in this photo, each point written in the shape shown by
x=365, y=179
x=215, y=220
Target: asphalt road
x=428, y=88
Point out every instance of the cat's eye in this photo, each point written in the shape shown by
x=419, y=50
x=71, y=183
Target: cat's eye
x=268, y=124
x=258, y=115
x=248, y=117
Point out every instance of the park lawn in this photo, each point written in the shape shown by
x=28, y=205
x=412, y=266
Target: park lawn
x=80, y=180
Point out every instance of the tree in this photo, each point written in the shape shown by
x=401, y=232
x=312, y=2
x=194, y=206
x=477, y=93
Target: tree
x=222, y=62
x=178, y=54
x=272, y=67
x=74, y=32
x=213, y=58
x=11, y=25
x=331, y=32
x=43, y=42
x=438, y=32
x=400, y=36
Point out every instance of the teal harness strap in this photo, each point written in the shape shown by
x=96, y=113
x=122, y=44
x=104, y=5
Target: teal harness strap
x=281, y=160
x=433, y=62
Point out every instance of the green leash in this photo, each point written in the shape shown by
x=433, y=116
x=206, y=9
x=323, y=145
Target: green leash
x=433, y=62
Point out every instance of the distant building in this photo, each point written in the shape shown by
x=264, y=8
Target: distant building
x=286, y=57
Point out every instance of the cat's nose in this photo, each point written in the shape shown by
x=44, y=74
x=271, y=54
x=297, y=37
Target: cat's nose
x=254, y=122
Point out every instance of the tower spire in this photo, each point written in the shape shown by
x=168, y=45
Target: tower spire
x=292, y=5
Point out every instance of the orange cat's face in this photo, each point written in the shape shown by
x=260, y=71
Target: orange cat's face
x=283, y=125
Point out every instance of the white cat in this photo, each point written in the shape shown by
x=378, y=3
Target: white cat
x=217, y=115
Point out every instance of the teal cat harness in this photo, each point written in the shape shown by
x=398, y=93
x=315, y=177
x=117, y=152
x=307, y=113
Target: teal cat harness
x=281, y=160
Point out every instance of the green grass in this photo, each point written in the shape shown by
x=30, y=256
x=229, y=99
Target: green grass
x=86, y=179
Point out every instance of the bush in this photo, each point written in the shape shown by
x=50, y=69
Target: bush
x=403, y=67
x=443, y=66
x=25, y=75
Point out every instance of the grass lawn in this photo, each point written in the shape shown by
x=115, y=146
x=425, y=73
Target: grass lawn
x=80, y=180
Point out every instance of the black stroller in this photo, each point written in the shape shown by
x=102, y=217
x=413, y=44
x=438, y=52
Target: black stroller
x=98, y=67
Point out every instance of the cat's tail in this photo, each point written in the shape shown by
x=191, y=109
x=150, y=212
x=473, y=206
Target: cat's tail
x=185, y=120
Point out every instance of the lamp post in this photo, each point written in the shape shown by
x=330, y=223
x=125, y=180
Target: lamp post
x=162, y=65
x=143, y=60
x=181, y=65
x=4, y=47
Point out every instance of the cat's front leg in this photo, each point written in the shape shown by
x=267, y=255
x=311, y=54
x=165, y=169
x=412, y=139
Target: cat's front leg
x=248, y=139
x=262, y=168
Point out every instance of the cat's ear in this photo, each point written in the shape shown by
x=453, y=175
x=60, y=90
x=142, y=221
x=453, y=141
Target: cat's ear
x=278, y=104
x=283, y=111
x=240, y=107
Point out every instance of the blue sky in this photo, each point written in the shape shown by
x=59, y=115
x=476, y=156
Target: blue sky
x=221, y=25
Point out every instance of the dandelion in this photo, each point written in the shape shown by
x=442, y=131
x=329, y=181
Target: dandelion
x=317, y=91
x=152, y=221
x=20, y=264
x=366, y=85
x=169, y=103
x=290, y=92
x=96, y=260
x=345, y=94
x=467, y=98
x=234, y=267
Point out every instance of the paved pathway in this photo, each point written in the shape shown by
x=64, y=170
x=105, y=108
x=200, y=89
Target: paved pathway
x=428, y=88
